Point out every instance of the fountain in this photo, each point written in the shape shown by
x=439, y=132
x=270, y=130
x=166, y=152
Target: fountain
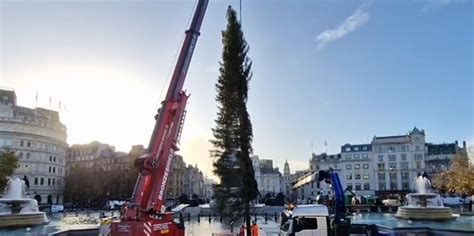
x=16, y=210
x=424, y=205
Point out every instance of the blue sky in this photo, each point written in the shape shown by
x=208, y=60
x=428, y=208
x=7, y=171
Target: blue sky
x=341, y=71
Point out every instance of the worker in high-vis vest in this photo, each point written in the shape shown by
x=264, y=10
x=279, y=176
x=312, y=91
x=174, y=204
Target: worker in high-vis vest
x=254, y=229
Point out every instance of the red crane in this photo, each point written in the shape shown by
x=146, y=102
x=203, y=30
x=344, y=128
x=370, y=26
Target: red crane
x=145, y=214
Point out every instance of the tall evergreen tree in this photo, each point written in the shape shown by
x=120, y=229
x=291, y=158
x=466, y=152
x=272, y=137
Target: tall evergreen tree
x=233, y=131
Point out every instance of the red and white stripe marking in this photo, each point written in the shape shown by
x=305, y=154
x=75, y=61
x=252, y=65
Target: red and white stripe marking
x=147, y=228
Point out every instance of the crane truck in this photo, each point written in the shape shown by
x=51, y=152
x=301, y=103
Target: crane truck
x=315, y=219
x=145, y=213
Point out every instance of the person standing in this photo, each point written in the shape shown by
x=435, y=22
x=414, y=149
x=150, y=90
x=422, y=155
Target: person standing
x=242, y=230
x=254, y=229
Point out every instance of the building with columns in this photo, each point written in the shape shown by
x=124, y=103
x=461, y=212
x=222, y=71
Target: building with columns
x=38, y=138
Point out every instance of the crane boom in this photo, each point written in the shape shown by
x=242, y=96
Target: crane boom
x=148, y=198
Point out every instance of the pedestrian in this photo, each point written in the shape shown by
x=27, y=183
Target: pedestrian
x=254, y=229
x=242, y=230
x=27, y=182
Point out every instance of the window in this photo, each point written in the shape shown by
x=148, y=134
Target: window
x=403, y=165
x=366, y=176
x=379, y=149
x=348, y=156
x=366, y=186
x=418, y=157
x=392, y=166
x=365, y=156
x=41, y=181
x=36, y=180
x=393, y=176
x=349, y=176
x=356, y=156
x=21, y=143
x=418, y=164
x=357, y=176
x=381, y=176
x=54, y=182
x=405, y=186
x=382, y=186
x=393, y=185
x=380, y=158
x=348, y=149
x=405, y=175
x=381, y=166
x=391, y=148
x=349, y=186
x=417, y=147
x=356, y=166
x=403, y=148
x=392, y=158
x=348, y=167
x=50, y=158
x=21, y=155
x=49, y=169
x=356, y=149
x=364, y=148
x=54, y=159
x=27, y=155
x=54, y=169
x=404, y=156
x=365, y=166
x=358, y=187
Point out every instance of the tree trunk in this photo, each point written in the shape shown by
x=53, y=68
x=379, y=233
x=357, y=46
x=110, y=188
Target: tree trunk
x=247, y=217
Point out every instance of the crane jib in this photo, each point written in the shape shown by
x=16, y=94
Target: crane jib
x=189, y=54
x=165, y=175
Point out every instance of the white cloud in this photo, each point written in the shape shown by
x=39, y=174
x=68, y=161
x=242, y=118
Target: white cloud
x=351, y=24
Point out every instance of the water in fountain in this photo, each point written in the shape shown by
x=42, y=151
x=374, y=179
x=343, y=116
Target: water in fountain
x=424, y=205
x=16, y=209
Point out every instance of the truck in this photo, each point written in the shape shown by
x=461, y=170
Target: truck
x=311, y=220
x=315, y=219
x=145, y=214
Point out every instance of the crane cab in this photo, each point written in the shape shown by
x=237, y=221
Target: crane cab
x=305, y=220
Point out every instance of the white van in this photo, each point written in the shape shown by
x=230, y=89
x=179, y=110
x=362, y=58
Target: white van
x=305, y=220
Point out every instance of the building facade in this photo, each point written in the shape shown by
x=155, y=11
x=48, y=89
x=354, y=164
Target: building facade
x=176, y=178
x=269, y=179
x=193, y=181
x=357, y=170
x=398, y=160
x=438, y=157
x=388, y=165
x=92, y=155
x=38, y=138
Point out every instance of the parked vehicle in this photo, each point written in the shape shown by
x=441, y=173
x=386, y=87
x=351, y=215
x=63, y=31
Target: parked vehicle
x=306, y=220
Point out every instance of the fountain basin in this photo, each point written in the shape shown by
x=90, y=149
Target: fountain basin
x=17, y=210
x=23, y=220
x=425, y=213
x=425, y=206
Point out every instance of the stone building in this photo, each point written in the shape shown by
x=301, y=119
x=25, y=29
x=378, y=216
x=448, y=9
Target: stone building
x=38, y=138
x=92, y=155
x=193, y=181
x=389, y=164
x=176, y=178
x=438, y=157
x=269, y=179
